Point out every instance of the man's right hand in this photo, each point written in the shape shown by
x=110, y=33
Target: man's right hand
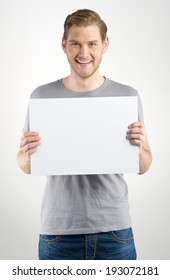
x=30, y=141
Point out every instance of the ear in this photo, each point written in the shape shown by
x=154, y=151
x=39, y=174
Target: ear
x=105, y=44
x=63, y=44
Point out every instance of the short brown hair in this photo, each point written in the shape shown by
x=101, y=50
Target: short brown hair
x=84, y=17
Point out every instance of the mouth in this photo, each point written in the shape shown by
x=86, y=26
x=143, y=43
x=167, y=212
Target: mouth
x=83, y=62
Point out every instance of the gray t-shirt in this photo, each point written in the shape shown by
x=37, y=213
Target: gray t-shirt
x=82, y=204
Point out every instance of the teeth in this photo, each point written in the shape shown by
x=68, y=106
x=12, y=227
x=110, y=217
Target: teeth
x=83, y=62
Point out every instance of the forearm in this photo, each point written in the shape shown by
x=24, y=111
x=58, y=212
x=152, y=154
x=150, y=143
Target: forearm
x=137, y=136
x=145, y=158
x=29, y=144
x=24, y=162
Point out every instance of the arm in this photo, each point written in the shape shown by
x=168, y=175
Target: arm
x=137, y=136
x=28, y=145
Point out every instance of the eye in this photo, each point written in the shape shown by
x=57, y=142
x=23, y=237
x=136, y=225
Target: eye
x=92, y=44
x=75, y=44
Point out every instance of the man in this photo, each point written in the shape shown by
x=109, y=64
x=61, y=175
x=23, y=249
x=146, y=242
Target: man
x=85, y=216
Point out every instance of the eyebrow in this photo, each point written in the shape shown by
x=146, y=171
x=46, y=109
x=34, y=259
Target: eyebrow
x=75, y=41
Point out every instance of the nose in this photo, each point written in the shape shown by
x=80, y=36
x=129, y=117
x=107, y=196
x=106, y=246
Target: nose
x=83, y=51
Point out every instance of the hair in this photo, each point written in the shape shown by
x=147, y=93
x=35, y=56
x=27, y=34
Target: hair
x=84, y=17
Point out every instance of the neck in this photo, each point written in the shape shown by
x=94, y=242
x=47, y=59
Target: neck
x=82, y=84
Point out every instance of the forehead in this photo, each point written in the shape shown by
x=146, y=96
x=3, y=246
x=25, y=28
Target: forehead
x=84, y=33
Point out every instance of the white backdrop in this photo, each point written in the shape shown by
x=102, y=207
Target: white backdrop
x=31, y=55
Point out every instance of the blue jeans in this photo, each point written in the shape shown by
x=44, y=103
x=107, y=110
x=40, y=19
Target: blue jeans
x=113, y=245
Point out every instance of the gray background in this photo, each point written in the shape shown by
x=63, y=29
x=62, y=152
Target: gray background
x=31, y=55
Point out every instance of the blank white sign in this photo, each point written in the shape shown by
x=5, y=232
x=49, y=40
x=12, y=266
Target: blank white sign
x=84, y=135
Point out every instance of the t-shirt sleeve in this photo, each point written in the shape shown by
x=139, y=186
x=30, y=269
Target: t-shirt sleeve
x=26, y=126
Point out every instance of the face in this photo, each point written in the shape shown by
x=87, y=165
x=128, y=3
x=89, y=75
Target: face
x=84, y=49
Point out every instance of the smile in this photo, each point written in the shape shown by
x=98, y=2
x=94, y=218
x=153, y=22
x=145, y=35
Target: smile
x=83, y=62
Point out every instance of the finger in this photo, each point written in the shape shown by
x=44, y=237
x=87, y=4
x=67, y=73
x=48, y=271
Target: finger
x=30, y=133
x=136, y=130
x=136, y=124
x=31, y=151
x=136, y=142
x=31, y=139
x=30, y=146
x=136, y=137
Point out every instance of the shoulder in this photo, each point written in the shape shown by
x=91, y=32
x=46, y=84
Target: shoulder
x=119, y=89
x=45, y=91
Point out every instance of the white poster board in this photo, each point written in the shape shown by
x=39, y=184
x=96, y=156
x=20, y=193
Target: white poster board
x=84, y=135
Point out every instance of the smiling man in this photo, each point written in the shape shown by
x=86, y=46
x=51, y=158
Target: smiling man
x=84, y=49
x=86, y=216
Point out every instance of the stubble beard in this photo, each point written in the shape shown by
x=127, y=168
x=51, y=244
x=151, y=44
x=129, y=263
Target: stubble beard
x=82, y=74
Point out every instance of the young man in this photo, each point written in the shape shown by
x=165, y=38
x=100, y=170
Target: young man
x=85, y=216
